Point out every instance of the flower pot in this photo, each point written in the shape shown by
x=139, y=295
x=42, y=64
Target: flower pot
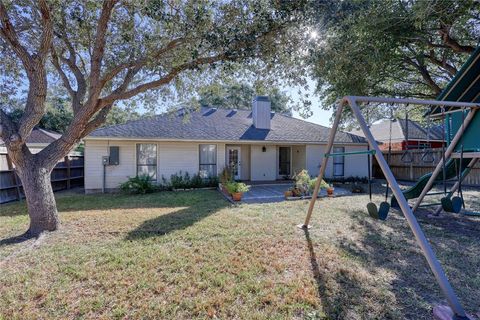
x=288, y=193
x=237, y=196
x=330, y=191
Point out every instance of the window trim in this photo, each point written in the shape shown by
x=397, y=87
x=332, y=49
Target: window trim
x=208, y=164
x=147, y=165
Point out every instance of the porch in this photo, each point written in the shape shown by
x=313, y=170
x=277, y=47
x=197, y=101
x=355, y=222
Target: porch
x=259, y=163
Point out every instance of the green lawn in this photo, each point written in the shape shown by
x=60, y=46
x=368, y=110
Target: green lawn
x=183, y=255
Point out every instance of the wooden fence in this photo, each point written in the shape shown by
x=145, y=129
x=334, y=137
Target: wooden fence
x=416, y=169
x=66, y=174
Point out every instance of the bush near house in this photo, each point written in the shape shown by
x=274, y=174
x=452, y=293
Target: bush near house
x=185, y=181
x=141, y=184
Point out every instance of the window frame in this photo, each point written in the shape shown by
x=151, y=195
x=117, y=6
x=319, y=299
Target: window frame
x=146, y=165
x=336, y=163
x=200, y=164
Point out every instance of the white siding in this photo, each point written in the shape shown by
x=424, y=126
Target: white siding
x=298, y=159
x=172, y=157
x=355, y=166
x=263, y=164
x=95, y=150
x=177, y=156
x=314, y=159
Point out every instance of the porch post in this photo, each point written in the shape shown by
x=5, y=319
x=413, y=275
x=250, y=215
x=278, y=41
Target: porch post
x=323, y=166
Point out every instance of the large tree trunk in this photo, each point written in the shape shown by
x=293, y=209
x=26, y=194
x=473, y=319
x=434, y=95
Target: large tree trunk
x=42, y=208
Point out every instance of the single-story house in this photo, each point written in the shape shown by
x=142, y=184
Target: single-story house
x=417, y=137
x=259, y=145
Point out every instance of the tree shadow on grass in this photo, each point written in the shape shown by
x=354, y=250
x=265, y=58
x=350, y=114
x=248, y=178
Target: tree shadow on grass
x=186, y=208
x=15, y=240
x=177, y=220
x=396, y=250
x=342, y=292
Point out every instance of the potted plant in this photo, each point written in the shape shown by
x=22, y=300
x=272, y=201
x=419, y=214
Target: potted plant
x=236, y=189
x=330, y=190
x=225, y=178
x=288, y=193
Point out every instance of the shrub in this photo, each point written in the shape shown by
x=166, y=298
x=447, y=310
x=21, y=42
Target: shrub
x=234, y=187
x=312, y=182
x=185, y=181
x=139, y=185
x=226, y=176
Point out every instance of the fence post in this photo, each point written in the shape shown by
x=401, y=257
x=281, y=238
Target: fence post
x=67, y=162
x=15, y=178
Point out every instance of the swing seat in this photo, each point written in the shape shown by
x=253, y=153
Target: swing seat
x=428, y=157
x=380, y=213
x=452, y=205
x=372, y=210
x=407, y=157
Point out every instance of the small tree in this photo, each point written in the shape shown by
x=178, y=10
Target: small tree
x=110, y=51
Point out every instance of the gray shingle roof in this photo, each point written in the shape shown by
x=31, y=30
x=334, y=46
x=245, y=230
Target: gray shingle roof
x=40, y=135
x=381, y=131
x=223, y=124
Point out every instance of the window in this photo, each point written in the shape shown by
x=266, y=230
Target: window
x=338, y=162
x=208, y=160
x=147, y=160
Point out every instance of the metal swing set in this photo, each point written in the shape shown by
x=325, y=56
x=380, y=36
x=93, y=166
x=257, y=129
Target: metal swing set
x=353, y=102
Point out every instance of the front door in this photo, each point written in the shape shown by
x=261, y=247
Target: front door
x=233, y=161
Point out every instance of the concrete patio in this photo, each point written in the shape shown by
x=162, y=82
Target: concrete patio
x=274, y=192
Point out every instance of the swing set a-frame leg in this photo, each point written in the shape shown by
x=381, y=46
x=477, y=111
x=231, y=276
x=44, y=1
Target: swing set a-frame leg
x=323, y=166
x=434, y=264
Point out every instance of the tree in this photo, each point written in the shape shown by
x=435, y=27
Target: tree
x=239, y=95
x=408, y=48
x=110, y=51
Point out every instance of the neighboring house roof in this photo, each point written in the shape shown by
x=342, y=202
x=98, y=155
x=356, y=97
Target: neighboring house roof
x=222, y=125
x=41, y=136
x=381, y=131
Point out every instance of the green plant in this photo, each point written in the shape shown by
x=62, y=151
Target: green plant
x=235, y=187
x=139, y=185
x=185, y=181
x=302, y=182
x=312, y=182
x=226, y=176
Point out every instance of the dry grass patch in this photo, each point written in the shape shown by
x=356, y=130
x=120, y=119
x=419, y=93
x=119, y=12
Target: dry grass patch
x=192, y=255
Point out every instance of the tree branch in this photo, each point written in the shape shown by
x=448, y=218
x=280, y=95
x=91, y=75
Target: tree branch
x=139, y=62
x=425, y=75
x=47, y=32
x=441, y=63
x=99, y=46
x=71, y=62
x=8, y=33
x=162, y=81
x=452, y=43
x=63, y=76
